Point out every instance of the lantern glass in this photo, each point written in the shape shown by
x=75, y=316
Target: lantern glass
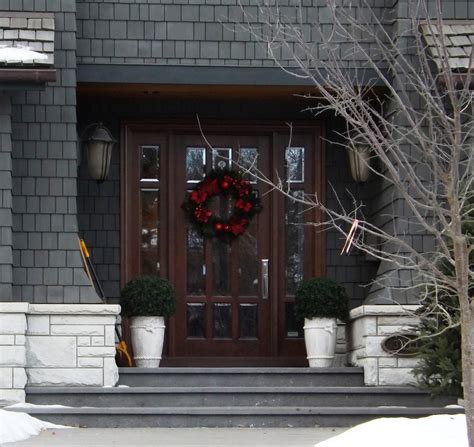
x=99, y=147
x=359, y=161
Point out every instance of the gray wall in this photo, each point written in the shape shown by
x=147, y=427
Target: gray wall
x=46, y=261
x=194, y=32
x=99, y=205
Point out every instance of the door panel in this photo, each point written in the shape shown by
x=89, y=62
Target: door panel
x=234, y=301
x=220, y=307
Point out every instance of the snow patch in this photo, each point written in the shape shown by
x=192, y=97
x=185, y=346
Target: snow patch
x=20, y=54
x=27, y=405
x=434, y=431
x=16, y=426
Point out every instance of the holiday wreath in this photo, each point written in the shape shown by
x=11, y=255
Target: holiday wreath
x=244, y=204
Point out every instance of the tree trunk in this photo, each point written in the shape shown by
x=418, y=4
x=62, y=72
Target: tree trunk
x=467, y=333
x=461, y=260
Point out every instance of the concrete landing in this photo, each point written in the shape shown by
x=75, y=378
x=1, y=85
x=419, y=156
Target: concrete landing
x=152, y=437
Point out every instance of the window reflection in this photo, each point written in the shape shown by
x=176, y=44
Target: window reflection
x=221, y=268
x=195, y=262
x=222, y=158
x=294, y=241
x=248, y=320
x=222, y=320
x=150, y=163
x=150, y=239
x=248, y=261
x=294, y=157
x=248, y=162
x=196, y=319
x=195, y=164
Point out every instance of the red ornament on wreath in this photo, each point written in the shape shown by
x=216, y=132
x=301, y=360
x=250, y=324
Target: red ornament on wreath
x=229, y=185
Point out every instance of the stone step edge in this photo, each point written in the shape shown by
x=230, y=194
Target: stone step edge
x=189, y=411
x=218, y=371
x=228, y=390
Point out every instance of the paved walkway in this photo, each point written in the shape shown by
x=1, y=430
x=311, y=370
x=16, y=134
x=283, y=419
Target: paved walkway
x=218, y=437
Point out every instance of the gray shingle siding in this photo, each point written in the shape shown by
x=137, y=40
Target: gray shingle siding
x=388, y=208
x=44, y=174
x=170, y=27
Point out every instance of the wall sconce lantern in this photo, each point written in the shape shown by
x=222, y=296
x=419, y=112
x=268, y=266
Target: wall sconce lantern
x=98, y=142
x=359, y=158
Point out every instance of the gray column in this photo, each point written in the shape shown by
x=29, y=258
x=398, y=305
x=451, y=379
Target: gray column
x=5, y=200
x=47, y=266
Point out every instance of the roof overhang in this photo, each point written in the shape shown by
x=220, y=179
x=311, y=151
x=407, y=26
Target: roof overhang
x=450, y=45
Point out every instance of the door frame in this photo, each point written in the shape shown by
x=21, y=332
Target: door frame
x=281, y=348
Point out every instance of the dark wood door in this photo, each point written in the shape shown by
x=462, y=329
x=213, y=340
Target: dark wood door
x=224, y=298
x=234, y=301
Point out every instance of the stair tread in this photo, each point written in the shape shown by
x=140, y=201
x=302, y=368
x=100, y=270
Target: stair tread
x=243, y=410
x=226, y=389
x=232, y=370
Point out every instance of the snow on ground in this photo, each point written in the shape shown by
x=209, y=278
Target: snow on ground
x=20, y=54
x=434, y=431
x=16, y=426
x=26, y=405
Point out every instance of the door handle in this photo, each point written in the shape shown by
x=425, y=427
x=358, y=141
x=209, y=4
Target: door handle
x=264, y=279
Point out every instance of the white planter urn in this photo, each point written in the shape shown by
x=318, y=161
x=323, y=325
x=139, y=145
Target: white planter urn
x=320, y=339
x=148, y=334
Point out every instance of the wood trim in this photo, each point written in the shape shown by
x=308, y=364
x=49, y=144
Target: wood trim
x=223, y=362
x=33, y=75
x=223, y=127
x=320, y=175
x=153, y=92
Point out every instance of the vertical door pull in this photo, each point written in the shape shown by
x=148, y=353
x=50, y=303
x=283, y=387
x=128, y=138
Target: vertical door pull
x=264, y=279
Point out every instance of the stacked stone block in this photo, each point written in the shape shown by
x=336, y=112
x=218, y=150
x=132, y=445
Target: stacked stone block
x=55, y=345
x=71, y=345
x=12, y=352
x=369, y=326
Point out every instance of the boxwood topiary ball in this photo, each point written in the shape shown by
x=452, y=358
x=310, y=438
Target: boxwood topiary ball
x=321, y=298
x=148, y=296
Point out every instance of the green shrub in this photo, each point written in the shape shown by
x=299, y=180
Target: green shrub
x=148, y=296
x=440, y=367
x=321, y=298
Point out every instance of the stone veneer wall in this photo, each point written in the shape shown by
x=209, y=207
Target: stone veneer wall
x=369, y=326
x=55, y=345
x=12, y=352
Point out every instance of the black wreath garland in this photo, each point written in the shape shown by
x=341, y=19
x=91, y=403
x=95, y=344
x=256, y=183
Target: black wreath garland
x=230, y=184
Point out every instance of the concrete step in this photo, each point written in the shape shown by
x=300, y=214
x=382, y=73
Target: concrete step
x=224, y=416
x=205, y=377
x=263, y=396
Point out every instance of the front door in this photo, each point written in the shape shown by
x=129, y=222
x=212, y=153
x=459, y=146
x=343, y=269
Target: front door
x=234, y=301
